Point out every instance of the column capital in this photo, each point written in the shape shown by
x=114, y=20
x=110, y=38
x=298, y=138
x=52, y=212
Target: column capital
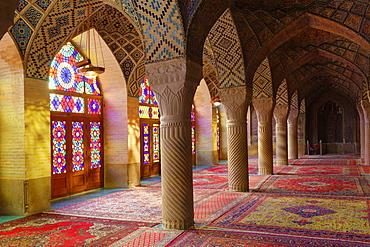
x=174, y=73
x=293, y=115
x=236, y=100
x=264, y=107
x=281, y=113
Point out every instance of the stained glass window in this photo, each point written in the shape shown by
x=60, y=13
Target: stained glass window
x=91, y=86
x=63, y=73
x=59, y=147
x=155, y=112
x=146, y=143
x=155, y=142
x=95, y=144
x=144, y=111
x=146, y=94
x=65, y=103
x=77, y=146
x=94, y=106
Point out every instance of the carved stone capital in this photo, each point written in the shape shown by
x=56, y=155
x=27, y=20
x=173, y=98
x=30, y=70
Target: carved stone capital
x=292, y=116
x=175, y=72
x=264, y=107
x=175, y=105
x=281, y=113
x=235, y=101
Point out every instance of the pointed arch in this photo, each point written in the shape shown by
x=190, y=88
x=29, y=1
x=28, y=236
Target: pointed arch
x=262, y=81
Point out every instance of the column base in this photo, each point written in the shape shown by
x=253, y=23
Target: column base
x=178, y=225
x=239, y=188
x=264, y=171
x=282, y=162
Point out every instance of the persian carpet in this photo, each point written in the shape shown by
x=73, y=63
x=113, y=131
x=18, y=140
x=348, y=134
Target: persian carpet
x=215, y=205
x=210, y=238
x=340, y=219
x=147, y=237
x=217, y=169
x=325, y=162
x=201, y=181
x=53, y=230
x=255, y=181
x=320, y=170
x=324, y=185
x=139, y=203
x=210, y=182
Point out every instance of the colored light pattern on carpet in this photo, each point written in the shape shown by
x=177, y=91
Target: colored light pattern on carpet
x=211, y=238
x=53, y=230
x=215, y=205
x=314, y=170
x=140, y=203
x=147, y=237
x=350, y=186
x=320, y=217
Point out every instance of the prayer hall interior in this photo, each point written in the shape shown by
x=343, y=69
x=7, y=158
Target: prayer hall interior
x=184, y=123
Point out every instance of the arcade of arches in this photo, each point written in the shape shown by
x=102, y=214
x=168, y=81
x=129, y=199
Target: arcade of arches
x=285, y=72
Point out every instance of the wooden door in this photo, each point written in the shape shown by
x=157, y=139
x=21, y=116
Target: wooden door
x=150, y=148
x=76, y=152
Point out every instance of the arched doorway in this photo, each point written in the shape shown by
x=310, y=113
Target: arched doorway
x=76, y=126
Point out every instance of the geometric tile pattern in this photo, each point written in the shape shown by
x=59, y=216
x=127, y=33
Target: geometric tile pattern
x=130, y=10
x=137, y=76
x=282, y=94
x=27, y=17
x=124, y=42
x=294, y=100
x=163, y=32
x=225, y=44
x=33, y=15
x=209, y=70
x=302, y=108
x=21, y=33
x=262, y=81
x=62, y=19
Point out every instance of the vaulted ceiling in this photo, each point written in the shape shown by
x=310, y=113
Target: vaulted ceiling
x=316, y=46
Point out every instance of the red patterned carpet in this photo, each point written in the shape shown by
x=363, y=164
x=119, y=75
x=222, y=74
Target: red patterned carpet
x=62, y=230
x=317, y=201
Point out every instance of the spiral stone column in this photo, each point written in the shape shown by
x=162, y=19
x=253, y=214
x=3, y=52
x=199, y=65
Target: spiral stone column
x=366, y=110
x=236, y=101
x=293, y=134
x=362, y=129
x=174, y=83
x=280, y=114
x=264, y=108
